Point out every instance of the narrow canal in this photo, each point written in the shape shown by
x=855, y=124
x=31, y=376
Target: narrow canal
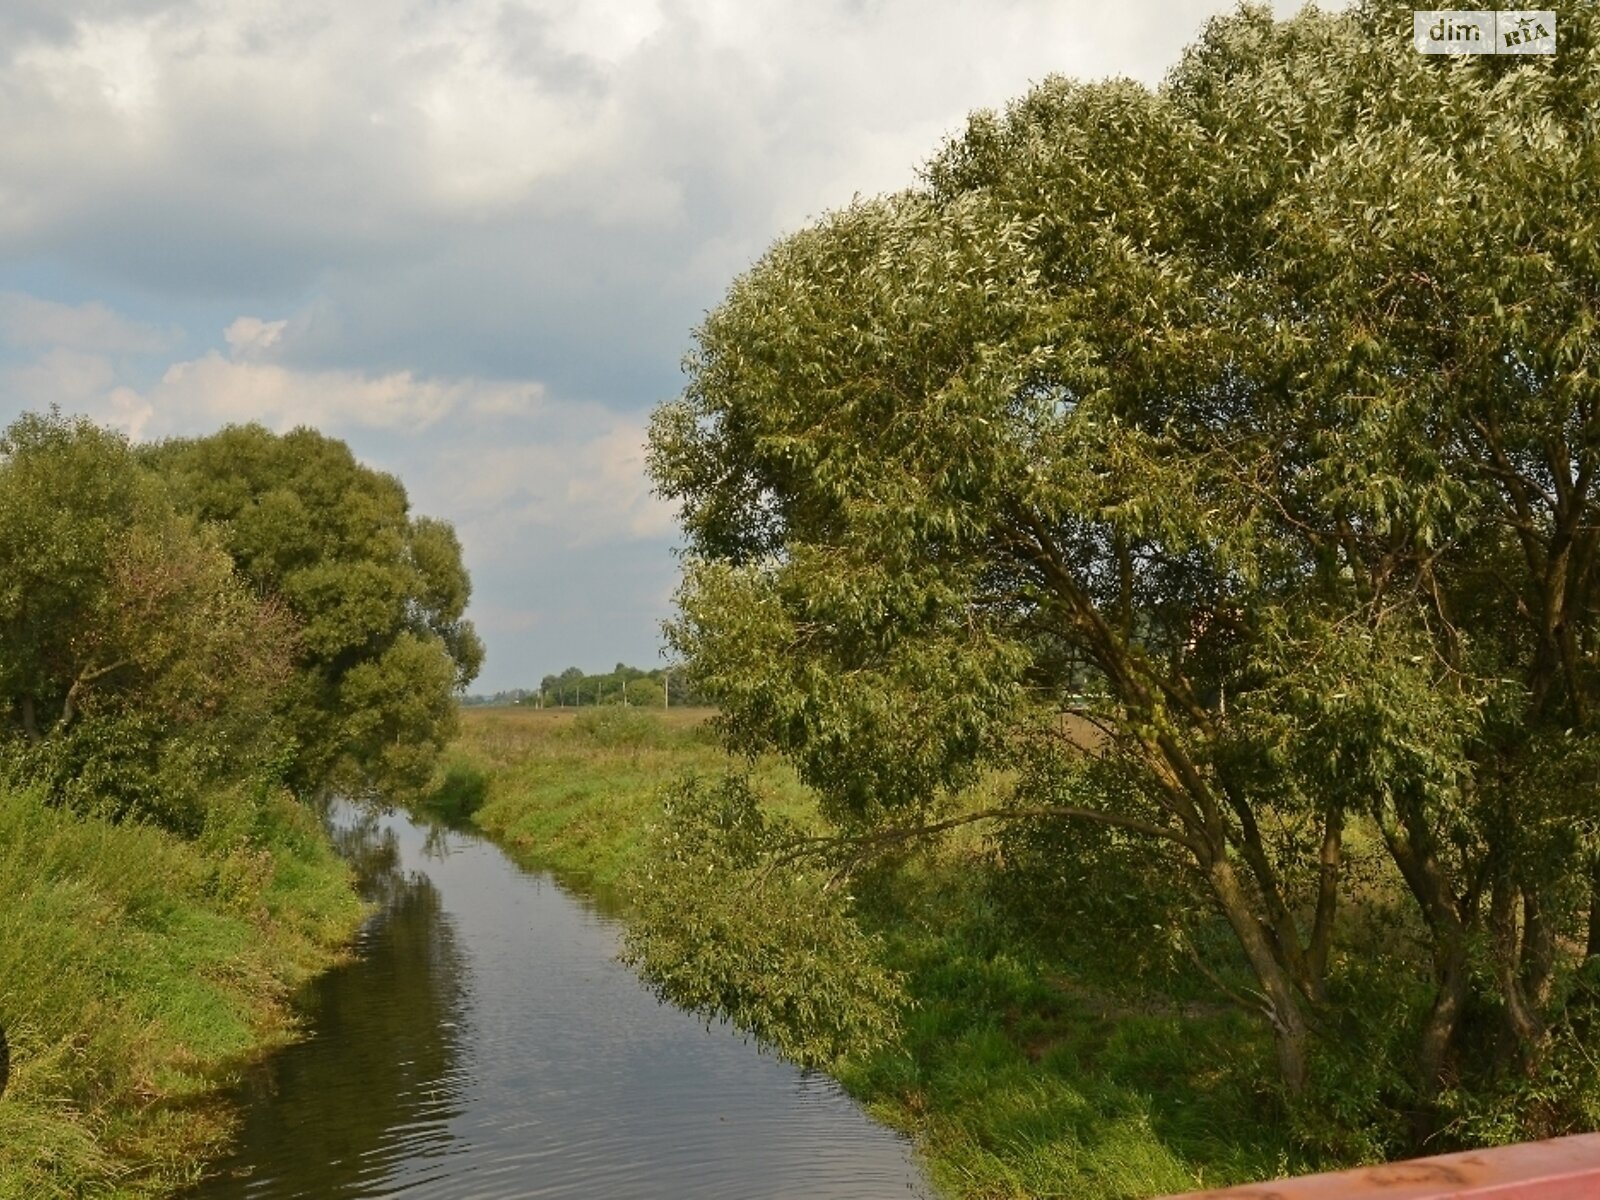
x=485, y=1044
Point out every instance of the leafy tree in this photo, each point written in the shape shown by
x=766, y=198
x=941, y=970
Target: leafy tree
x=1253, y=417
x=136, y=671
x=644, y=692
x=379, y=596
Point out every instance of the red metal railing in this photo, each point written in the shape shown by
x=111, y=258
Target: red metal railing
x=1561, y=1169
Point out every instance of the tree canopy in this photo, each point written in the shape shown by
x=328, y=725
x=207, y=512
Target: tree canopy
x=378, y=596
x=180, y=621
x=1253, y=419
x=137, y=671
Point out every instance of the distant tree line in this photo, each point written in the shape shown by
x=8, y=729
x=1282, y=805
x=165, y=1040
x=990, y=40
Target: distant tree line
x=479, y=700
x=638, y=688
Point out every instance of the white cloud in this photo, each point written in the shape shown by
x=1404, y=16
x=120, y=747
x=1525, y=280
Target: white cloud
x=125, y=409
x=75, y=380
x=74, y=370
x=116, y=61
x=341, y=120
x=583, y=488
x=250, y=337
x=613, y=493
x=219, y=390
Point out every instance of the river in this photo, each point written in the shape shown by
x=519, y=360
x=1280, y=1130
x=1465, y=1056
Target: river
x=484, y=1043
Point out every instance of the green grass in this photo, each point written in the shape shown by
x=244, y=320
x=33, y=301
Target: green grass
x=138, y=973
x=566, y=792
x=1021, y=1071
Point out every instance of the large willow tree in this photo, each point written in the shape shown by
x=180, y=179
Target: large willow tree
x=1256, y=416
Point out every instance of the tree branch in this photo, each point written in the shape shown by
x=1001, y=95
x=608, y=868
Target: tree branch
x=69, y=706
x=883, y=839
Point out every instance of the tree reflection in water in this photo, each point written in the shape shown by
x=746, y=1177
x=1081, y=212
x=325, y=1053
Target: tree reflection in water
x=371, y=1093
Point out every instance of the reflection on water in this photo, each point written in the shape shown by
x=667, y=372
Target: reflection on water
x=486, y=1044
x=365, y=1103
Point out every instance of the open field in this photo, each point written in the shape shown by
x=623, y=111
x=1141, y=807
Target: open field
x=1026, y=1069
x=138, y=971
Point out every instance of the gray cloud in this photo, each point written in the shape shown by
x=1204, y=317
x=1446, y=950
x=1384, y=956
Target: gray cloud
x=464, y=233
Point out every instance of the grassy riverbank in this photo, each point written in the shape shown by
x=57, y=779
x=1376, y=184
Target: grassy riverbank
x=1024, y=1070
x=137, y=970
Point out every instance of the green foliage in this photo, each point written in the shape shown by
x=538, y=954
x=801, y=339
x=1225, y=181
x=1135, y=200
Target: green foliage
x=1093, y=890
x=164, y=669
x=1029, y=1068
x=137, y=673
x=573, y=688
x=776, y=954
x=166, y=664
x=650, y=818
x=460, y=792
x=645, y=693
x=1252, y=418
x=68, y=494
x=618, y=728
x=378, y=595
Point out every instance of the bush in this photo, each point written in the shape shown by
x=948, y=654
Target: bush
x=617, y=728
x=461, y=792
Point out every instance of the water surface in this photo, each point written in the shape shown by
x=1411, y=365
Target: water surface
x=486, y=1044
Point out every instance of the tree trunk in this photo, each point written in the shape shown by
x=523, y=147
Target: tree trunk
x=1538, y=950
x=1329, y=869
x=1524, y=1029
x=1282, y=1007
x=1438, y=1030
x=1412, y=851
x=1592, y=946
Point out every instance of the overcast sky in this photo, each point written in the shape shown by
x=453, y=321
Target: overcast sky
x=470, y=237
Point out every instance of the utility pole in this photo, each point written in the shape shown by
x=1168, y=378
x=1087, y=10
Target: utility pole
x=666, y=689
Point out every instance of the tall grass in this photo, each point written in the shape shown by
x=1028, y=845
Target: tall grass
x=1025, y=1069
x=138, y=971
x=569, y=792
